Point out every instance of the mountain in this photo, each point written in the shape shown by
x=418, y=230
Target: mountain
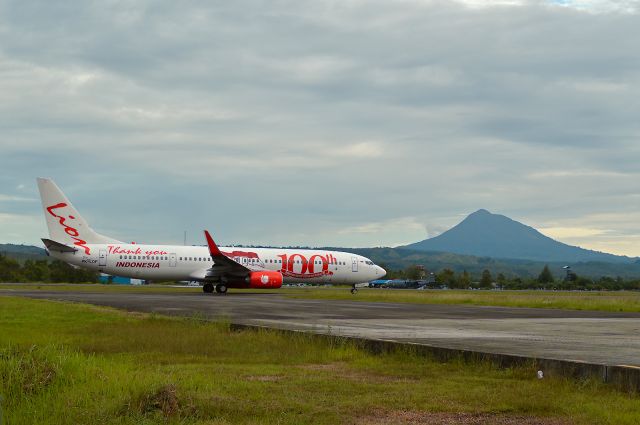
x=484, y=234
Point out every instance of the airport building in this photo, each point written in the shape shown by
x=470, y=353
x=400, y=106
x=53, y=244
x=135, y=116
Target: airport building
x=119, y=280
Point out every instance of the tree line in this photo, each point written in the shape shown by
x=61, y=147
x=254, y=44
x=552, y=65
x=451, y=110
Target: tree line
x=43, y=271
x=55, y=271
x=486, y=280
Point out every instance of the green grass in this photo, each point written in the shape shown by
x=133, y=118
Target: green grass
x=626, y=301
x=621, y=301
x=97, y=287
x=64, y=363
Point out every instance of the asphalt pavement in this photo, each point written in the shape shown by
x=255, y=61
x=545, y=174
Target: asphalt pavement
x=584, y=336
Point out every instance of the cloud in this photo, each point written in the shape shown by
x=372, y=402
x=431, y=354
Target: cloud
x=290, y=122
x=12, y=198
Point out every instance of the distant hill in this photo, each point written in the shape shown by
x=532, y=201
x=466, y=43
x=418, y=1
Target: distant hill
x=23, y=252
x=400, y=258
x=484, y=234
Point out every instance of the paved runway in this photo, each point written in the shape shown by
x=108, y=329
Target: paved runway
x=593, y=337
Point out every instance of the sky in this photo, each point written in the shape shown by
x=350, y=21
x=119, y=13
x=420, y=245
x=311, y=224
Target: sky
x=322, y=123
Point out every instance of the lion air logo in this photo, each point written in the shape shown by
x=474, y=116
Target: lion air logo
x=264, y=279
x=68, y=229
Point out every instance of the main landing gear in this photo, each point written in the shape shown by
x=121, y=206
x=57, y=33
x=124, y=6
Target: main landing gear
x=220, y=288
x=354, y=290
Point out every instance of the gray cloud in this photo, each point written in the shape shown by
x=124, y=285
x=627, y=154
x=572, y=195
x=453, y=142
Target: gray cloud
x=339, y=123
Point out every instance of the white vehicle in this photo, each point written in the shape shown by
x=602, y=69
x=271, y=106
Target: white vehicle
x=73, y=241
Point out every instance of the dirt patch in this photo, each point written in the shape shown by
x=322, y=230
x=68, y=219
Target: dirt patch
x=265, y=378
x=342, y=371
x=163, y=400
x=404, y=417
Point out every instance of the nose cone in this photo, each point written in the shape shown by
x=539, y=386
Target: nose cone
x=380, y=272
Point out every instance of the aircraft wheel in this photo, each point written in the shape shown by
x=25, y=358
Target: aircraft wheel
x=354, y=291
x=208, y=288
x=221, y=288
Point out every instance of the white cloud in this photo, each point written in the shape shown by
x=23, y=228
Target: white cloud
x=292, y=122
x=600, y=6
x=13, y=198
x=21, y=229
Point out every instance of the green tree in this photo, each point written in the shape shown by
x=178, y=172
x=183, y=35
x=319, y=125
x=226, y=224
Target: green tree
x=446, y=277
x=464, y=281
x=486, y=280
x=413, y=273
x=546, y=276
x=10, y=270
x=60, y=271
x=36, y=271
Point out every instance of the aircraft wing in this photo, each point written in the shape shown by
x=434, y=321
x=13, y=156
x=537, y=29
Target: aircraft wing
x=223, y=265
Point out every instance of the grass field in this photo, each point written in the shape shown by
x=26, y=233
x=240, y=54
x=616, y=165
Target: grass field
x=64, y=363
x=624, y=301
x=604, y=301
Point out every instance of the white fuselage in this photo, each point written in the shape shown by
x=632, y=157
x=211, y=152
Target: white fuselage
x=171, y=262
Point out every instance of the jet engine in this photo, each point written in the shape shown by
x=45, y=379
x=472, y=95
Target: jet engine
x=265, y=280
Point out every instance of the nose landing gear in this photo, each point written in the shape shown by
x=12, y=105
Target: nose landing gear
x=354, y=290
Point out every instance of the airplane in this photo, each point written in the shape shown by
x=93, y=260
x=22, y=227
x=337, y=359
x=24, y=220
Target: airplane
x=217, y=268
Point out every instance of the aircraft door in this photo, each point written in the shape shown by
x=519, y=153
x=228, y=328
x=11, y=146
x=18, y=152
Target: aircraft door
x=172, y=260
x=102, y=258
x=354, y=264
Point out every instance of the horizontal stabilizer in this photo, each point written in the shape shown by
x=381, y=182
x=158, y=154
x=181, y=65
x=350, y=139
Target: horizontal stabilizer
x=57, y=246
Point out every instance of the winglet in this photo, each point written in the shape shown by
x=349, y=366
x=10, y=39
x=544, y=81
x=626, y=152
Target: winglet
x=213, y=248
